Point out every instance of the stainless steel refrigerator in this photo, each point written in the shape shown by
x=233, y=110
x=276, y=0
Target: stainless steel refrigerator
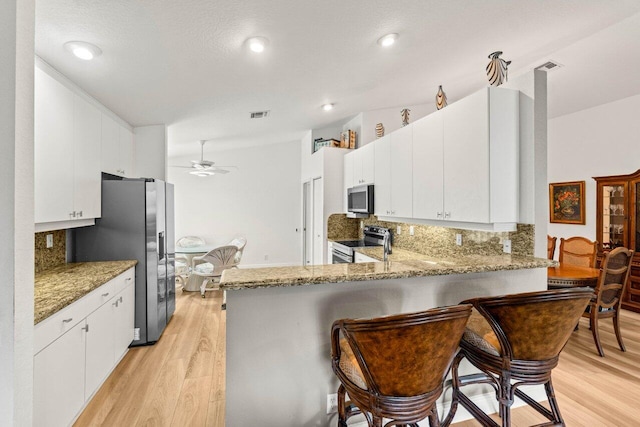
x=137, y=223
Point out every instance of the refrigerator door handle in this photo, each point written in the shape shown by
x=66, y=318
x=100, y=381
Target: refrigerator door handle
x=161, y=250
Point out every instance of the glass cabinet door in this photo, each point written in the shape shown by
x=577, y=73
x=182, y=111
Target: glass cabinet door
x=615, y=215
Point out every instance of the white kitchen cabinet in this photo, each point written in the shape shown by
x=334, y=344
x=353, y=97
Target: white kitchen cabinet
x=360, y=258
x=117, y=148
x=66, y=154
x=363, y=165
x=382, y=189
x=348, y=161
x=72, y=362
x=393, y=176
x=428, y=173
x=58, y=379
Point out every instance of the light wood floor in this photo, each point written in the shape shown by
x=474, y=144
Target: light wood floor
x=180, y=380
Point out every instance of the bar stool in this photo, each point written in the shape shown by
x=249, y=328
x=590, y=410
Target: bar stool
x=394, y=367
x=516, y=338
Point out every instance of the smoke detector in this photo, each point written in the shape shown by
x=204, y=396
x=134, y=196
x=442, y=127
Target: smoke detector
x=259, y=114
x=550, y=65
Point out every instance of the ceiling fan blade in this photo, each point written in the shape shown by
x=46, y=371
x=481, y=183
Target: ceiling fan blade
x=183, y=167
x=220, y=171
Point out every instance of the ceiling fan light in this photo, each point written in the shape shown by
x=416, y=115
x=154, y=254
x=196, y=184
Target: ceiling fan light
x=202, y=173
x=388, y=40
x=257, y=44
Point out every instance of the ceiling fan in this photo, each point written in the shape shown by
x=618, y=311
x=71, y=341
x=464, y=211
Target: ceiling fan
x=204, y=167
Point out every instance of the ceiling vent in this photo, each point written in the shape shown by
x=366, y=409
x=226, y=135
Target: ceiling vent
x=549, y=66
x=260, y=114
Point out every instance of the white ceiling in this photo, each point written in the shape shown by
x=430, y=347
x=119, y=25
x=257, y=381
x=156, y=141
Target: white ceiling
x=183, y=63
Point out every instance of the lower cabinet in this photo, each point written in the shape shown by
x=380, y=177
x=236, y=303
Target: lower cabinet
x=71, y=364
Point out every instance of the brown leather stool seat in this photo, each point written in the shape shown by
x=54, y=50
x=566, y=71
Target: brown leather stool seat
x=394, y=367
x=516, y=340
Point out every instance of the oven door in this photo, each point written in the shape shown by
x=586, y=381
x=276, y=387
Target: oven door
x=338, y=257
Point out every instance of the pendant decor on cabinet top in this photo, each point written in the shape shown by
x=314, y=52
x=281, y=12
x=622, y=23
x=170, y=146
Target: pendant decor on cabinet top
x=379, y=130
x=497, y=69
x=441, y=98
x=405, y=116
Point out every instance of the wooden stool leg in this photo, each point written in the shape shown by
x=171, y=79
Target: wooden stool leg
x=505, y=399
x=616, y=328
x=433, y=418
x=342, y=412
x=553, y=403
x=455, y=389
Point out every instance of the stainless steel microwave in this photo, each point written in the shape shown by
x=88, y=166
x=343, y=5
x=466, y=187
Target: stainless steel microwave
x=360, y=199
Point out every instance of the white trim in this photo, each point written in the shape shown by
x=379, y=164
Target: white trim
x=63, y=225
x=496, y=226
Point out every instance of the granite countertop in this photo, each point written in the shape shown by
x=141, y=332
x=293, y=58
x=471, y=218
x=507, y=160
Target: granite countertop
x=401, y=264
x=58, y=287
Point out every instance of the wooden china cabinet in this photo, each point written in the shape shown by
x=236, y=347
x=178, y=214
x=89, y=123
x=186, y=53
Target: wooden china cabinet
x=617, y=221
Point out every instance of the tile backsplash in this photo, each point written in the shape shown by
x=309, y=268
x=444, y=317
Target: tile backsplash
x=438, y=241
x=46, y=258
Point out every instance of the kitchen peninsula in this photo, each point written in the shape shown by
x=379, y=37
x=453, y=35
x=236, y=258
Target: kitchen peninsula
x=278, y=322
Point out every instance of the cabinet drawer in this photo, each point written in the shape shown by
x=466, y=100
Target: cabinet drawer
x=124, y=280
x=51, y=328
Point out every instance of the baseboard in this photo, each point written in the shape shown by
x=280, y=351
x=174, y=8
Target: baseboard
x=486, y=402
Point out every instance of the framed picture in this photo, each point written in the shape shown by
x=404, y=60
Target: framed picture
x=566, y=202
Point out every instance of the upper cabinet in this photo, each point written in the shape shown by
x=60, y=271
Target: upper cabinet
x=465, y=160
x=67, y=168
x=117, y=148
x=393, y=174
x=358, y=168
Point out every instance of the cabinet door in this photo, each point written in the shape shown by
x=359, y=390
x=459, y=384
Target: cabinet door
x=382, y=190
x=124, y=321
x=428, y=168
x=86, y=148
x=347, y=177
x=367, y=157
x=126, y=152
x=357, y=167
x=100, y=346
x=466, y=159
x=401, y=172
x=58, y=379
x=53, y=149
x=110, y=145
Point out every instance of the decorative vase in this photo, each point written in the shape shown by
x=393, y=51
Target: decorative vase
x=441, y=98
x=497, y=69
x=379, y=130
x=405, y=116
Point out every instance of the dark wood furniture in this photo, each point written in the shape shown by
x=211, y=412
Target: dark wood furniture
x=606, y=304
x=571, y=276
x=516, y=340
x=578, y=251
x=394, y=367
x=551, y=246
x=617, y=221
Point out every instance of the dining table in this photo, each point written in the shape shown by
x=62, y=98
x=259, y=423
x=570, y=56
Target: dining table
x=566, y=275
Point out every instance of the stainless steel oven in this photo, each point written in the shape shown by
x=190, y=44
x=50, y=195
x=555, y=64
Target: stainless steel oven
x=339, y=257
x=342, y=250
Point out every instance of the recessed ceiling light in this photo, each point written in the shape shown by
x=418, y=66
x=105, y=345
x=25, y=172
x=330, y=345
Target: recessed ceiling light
x=257, y=44
x=83, y=50
x=388, y=40
x=327, y=107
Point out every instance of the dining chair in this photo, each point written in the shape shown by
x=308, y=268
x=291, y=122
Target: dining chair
x=616, y=268
x=515, y=340
x=551, y=246
x=211, y=265
x=578, y=251
x=240, y=242
x=394, y=367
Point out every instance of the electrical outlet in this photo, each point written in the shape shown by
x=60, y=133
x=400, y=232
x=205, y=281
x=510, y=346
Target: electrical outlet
x=411, y=230
x=136, y=334
x=361, y=225
x=332, y=403
x=506, y=246
x=266, y=257
x=459, y=239
x=398, y=230
x=49, y=240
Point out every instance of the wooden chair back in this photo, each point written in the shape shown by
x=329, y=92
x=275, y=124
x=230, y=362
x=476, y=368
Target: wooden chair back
x=578, y=251
x=616, y=268
x=534, y=326
x=407, y=354
x=551, y=246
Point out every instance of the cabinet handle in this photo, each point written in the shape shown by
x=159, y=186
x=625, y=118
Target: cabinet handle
x=447, y=215
x=438, y=214
x=105, y=295
x=115, y=304
x=128, y=279
x=86, y=328
x=121, y=299
x=80, y=214
x=72, y=214
x=67, y=320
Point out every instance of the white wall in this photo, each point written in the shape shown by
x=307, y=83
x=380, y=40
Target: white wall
x=150, y=144
x=16, y=211
x=599, y=141
x=261, y=201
